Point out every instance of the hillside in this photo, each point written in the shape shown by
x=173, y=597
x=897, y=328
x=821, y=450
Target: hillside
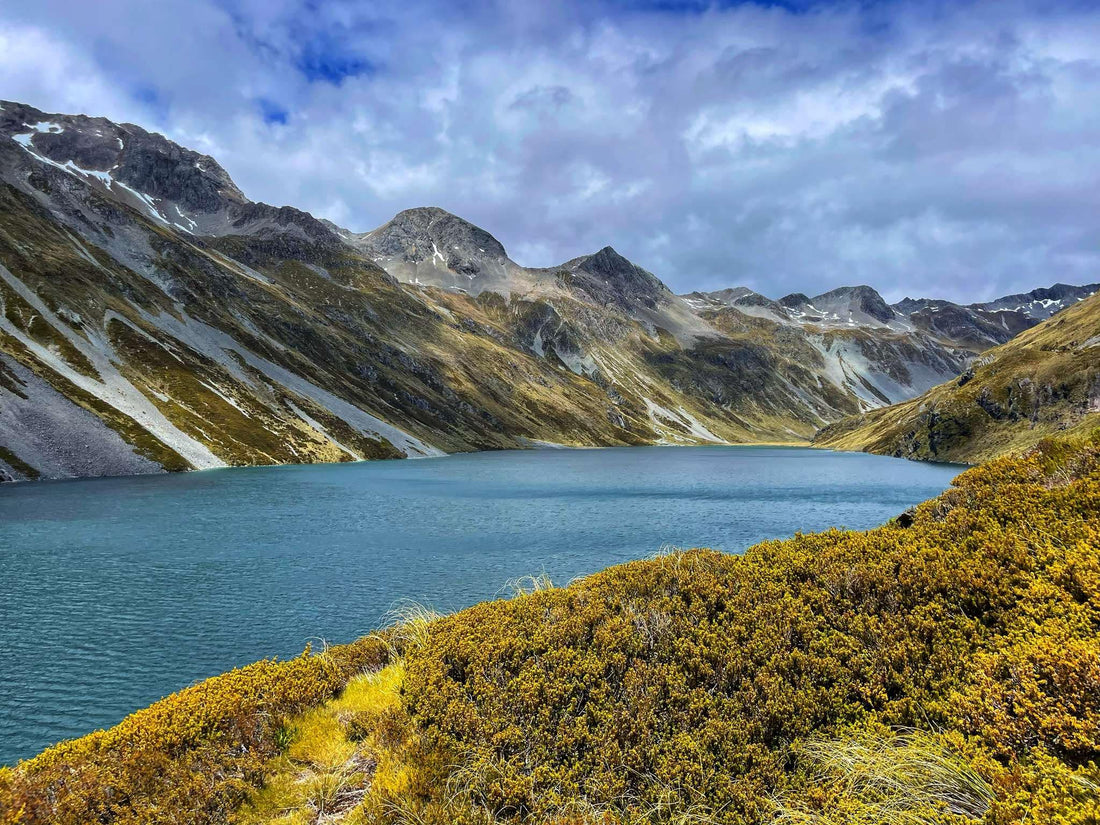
x=154, y=318
x=1044, y=381
x=940, y=669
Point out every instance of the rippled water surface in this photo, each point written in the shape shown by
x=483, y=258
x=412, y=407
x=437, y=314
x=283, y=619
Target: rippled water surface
x=115, y=592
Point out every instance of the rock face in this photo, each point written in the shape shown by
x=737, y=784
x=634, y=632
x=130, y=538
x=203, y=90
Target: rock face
x=610, y=279
x=1043, y=382
x=432, y=247
x=982, y=325
x=152, y=317
x=855, y=304
x=127, y=154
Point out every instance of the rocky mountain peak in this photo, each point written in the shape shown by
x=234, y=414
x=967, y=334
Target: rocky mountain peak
x=430, y=246
x=857, y=303
x=609, y=278
x=428, y=231
x=795, y=300
x=907, y=305
x=144, y=162
x=741, y=298
x=1041, y=303
x=613, y=267
x=176, y=187
x=729, y=296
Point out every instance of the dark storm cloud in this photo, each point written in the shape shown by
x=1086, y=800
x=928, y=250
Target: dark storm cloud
x=923, y=147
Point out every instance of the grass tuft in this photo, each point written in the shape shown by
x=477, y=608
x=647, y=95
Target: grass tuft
x=526, y=585
x=902, y=778
x=408, y=623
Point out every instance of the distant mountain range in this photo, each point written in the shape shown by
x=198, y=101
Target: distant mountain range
x=156, y=318
x=1044, y=382
x=973, y=326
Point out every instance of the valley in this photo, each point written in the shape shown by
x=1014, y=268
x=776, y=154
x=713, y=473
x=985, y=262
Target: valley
x=156, y=319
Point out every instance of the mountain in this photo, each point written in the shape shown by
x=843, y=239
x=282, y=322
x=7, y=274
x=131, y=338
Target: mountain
x=432, y=247
x=972, y=327
x=849, y=336
x=852, y=305
x=982, y=325
x=153, y=317
x=1041, y=303
x=1044, y=381
x=886, y=353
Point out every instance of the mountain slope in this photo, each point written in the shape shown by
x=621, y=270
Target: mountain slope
x=881, y=353
x=848, y=336
x=971, y=328
x=153, y=317
x=1040, y=303
x=1044, y=381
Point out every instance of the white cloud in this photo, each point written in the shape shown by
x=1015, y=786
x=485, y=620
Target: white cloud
x=953, y=153
x=37, y=66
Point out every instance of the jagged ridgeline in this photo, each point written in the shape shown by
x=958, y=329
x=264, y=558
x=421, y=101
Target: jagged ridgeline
x=153, y=317
x=1044, y=381
x=943, y=668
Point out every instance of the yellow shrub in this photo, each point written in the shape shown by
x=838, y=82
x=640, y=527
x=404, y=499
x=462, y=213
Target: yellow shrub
x=680, y=684
x=190, y=758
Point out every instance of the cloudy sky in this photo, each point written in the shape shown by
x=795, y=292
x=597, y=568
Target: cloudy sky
x=948, y=149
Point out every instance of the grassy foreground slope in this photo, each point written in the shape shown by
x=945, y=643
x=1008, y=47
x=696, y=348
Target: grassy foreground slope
x=944, y=668
x=1046, y=381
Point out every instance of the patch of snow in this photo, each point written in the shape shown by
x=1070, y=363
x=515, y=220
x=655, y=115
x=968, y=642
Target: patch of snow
x=178, y=212
x=46, y=127
x=103, y=177
x=150, y=204
x=68, y=166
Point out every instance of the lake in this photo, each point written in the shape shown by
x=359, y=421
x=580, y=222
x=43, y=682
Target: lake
x=115, y=592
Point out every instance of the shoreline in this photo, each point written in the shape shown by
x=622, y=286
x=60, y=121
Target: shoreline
x=536, y=446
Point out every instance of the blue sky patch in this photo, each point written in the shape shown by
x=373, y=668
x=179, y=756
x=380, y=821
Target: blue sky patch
x=272, y=112
x=327, y=61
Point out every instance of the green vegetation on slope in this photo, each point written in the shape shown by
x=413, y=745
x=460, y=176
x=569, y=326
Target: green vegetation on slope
x=1044, y=382
x=944, y=668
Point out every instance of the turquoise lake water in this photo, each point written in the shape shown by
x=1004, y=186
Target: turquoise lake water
x=115, y=592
